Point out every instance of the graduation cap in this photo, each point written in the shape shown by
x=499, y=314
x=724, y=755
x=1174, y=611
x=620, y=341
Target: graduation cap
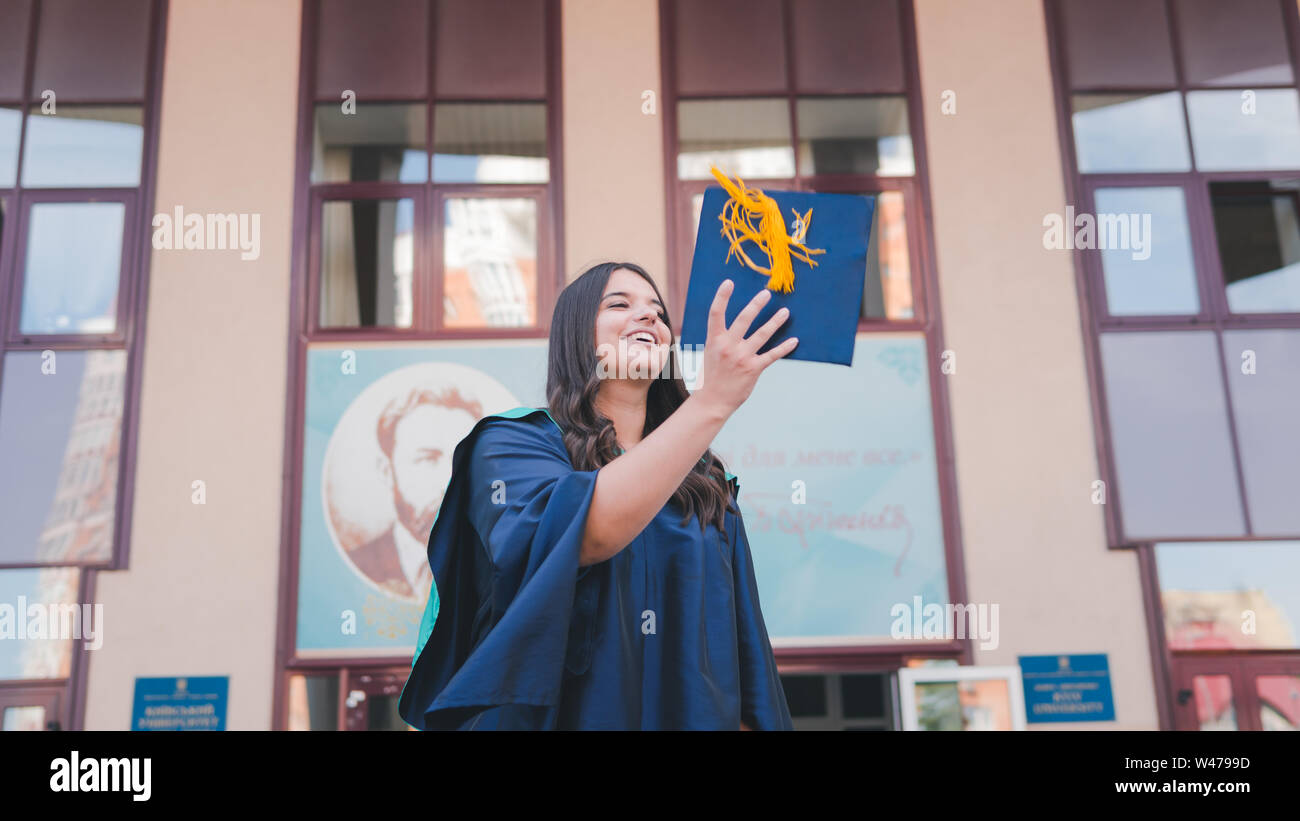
x=809, y=250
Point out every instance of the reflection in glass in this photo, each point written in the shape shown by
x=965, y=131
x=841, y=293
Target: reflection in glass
x=855, y=135
x=1130, y=132
x=23, y=719
x=313, y=702
x=381, y=713
x=489, y=262
x=490, y=142
x=367, y=263
x=1214, y=707
x=887, y=291
x=1258, y=231
x=1206, y=586
x=50, y=657
x=744, y=138
x=11, y=123
x=1266, y=409
x=1227, y=137
x=1279, y=702
x=963, y=705
x=381, y=142
x=1169, y=429
x=59, y=443
x=73, y=267
x=84, y=147
x=1241, y=43
x=1147, y=262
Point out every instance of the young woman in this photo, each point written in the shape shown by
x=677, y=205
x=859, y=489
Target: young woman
x=589, y=557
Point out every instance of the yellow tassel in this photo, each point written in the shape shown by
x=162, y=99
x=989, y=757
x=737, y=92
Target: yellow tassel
x=738, y=215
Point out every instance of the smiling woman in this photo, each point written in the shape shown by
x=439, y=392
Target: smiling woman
x=590, y=558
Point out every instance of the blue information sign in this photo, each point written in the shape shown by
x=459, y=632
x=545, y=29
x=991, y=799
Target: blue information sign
x=1067, y=688
x=180, y=703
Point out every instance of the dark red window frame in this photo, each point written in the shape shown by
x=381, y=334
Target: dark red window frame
x=426, y=293
x=925, y=291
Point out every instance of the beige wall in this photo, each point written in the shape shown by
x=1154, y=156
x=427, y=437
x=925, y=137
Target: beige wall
x=200, y=595
x=613, y=153
x=1025, y=459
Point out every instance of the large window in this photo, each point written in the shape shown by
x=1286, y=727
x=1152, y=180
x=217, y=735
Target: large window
x=431, y=146
x=427, y=236
x=78, y=91
x=822, y=95
x=810, y=96
x=73, y=105
x=1183, y=119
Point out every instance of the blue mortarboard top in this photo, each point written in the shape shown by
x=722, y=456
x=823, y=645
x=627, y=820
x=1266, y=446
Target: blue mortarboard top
x=827, y=297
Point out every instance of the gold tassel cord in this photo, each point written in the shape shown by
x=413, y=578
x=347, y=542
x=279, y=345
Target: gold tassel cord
x=738, y=215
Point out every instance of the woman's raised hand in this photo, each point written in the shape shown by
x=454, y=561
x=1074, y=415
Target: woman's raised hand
x=731, y=362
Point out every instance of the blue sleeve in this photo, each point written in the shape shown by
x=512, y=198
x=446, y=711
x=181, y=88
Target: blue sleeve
x=504, y=553
x=762, y=698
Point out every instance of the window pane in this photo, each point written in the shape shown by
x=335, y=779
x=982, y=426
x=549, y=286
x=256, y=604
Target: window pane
x=1214, y=707
x=491, y=48
x=1279, y=702
x=380, y=142
x=1238, y=43
x=1227, y=138
x=24, y=719
x=1259, y=244
x=43, y=658
x=367, y=263
x=1205, y=586
x=377, y=50
x=314, y=702
x=848, y=135
x=1127, y=132
x=489, y=256
x=490, y=142
x=84, y=147
x=14, y=23
x=863, y=695
x=1264, y=381
x=1146, y=251
x=1117, y=43
x=1169, y=432
x=744, y=138
x=806, y=695
x=59, y=438
x=70, y=287
x=848, y=46
x=92, y=51
x=887, y=293
x=11, y=123
x=729, y=46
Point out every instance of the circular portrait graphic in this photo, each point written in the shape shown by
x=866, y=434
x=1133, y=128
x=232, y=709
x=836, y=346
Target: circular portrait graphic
x=388, y=463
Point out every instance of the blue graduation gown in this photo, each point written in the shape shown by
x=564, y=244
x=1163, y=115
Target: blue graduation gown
x=667, y=634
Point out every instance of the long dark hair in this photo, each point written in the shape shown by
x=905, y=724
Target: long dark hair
x=572, y=381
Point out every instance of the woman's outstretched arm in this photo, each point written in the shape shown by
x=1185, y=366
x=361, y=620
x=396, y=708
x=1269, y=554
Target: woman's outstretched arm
x=633, y=488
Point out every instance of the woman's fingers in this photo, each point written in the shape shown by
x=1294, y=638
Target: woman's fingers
x=779, y=351
x=746, y=316
x=718, y=310
x=759, y=338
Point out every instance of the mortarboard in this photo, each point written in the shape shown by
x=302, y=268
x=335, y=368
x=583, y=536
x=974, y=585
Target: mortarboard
x=809, y=250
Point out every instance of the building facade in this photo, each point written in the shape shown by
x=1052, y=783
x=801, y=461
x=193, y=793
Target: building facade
x=263, y=264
